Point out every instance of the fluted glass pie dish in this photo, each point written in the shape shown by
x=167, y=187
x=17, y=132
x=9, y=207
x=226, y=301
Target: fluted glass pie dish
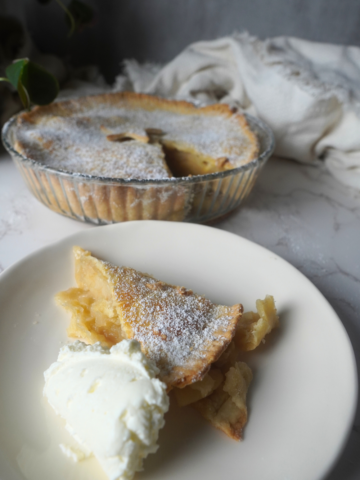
x=103, y=200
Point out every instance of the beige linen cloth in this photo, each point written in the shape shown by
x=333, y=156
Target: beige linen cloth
x=308, y=93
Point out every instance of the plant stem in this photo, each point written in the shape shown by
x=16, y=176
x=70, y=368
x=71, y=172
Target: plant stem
x=4, y=79
x=71, y=18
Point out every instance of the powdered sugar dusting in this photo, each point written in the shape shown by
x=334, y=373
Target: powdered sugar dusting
x=213, y=135
x=77, y=143
x=177, y=328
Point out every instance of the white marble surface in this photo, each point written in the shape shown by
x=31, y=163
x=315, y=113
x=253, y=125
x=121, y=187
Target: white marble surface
x=297, y=211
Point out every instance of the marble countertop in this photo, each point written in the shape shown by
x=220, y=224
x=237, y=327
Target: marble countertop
x=299, y=212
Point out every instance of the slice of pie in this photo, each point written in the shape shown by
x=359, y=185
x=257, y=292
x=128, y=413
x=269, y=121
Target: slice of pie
x=182, y=332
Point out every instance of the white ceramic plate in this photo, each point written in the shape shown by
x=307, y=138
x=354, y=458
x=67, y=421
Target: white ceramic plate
x=302, y=399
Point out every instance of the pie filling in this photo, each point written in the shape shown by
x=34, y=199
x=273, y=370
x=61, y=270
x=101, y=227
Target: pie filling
x=183, y=163
x=94, y=319
x=94, y=315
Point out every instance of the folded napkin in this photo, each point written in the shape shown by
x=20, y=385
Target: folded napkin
x=308, y=93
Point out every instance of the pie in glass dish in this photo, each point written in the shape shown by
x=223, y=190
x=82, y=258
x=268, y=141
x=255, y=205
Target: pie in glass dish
x=128, y=156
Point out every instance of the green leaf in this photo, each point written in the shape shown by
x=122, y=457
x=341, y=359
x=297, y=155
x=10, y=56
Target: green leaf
x=33, y=83
x=82, y=14
x=41, y=86
x=14, y=71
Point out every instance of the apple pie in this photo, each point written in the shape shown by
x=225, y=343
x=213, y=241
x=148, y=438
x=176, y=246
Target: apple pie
x=126, y=139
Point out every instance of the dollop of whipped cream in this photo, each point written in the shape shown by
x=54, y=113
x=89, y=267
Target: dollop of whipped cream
x=111, y=401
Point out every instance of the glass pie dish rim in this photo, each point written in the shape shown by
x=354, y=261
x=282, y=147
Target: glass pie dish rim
x=264, y=154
